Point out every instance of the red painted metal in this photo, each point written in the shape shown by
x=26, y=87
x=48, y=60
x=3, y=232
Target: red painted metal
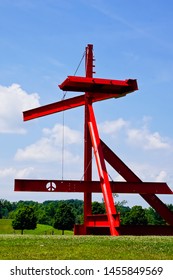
x=101, y=220
x=54, y=108
x=129, y=176
x=98, y=85
x=101, y=167
x=97, y=89
x=66, y=104
x=146, y=230
x=89, y=59
x=129, y=230
x=89, y=186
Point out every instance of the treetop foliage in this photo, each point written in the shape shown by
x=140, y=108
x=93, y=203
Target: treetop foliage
x=25, y=218
x=47, y=211
x=64, y=217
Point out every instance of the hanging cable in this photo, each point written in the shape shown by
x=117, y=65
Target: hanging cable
x=79, y=63
x=64, y=94
x=110, y=177
x=86, y=168
x=63, y=122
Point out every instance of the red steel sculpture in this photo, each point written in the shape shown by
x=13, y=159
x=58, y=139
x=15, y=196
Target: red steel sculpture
x=97, y=89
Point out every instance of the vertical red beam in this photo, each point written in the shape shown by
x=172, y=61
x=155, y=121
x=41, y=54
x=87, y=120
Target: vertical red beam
x=89, y=58
x=87, y=140
x=104, y=180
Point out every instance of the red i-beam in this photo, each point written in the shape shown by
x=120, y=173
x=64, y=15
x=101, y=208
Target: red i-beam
x=97, y=89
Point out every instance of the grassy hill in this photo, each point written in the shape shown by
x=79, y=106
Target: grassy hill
x=6, y=228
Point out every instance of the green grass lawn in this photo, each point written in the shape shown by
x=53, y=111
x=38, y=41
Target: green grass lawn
x=40, y=246
x=69, y=247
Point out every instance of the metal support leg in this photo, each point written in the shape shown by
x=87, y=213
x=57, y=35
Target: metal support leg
x=104, y=180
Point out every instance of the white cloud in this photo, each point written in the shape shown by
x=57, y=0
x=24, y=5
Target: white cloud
x=109, y=127
x=148, y=172
x=49, y=147
x=7, y=172
x=13, y=101
x=144, y=138
x=41, y=150
x=57, y=132
x=139, y=137
x=12, y=172
x=162, y=176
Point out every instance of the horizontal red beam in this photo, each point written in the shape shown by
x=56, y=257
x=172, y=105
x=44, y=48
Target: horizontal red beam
x=85, y=84
x=90, y=186
x=127, y=230
x=101, y=220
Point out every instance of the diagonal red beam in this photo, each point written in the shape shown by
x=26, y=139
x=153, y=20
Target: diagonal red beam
x=101, y=167
x=89, y=186
x=66, y=104
x=129, y=176
x=54, y=108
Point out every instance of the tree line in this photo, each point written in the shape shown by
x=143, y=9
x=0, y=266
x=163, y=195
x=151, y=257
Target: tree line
x=63, y=214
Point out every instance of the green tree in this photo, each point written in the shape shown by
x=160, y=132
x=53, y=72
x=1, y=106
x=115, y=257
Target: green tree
x=123, y=210
x=25, y=218
x=118, y=203
x=5, y=208
x=136, y=216
x=1, y=209
x=42, y=218
x=154, y=218
x=170, y=206
x=64, y=217
x=98, y=208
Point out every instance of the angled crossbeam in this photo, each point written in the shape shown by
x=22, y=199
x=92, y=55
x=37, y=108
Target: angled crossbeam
x=90, y=186
x=54, y=108
x=64, y=105
x=129, y=176
x=101, y=167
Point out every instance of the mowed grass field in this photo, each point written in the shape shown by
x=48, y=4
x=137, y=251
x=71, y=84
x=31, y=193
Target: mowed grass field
x=69, y=247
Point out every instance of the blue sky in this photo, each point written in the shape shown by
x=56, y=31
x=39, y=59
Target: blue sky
x=41, y=43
